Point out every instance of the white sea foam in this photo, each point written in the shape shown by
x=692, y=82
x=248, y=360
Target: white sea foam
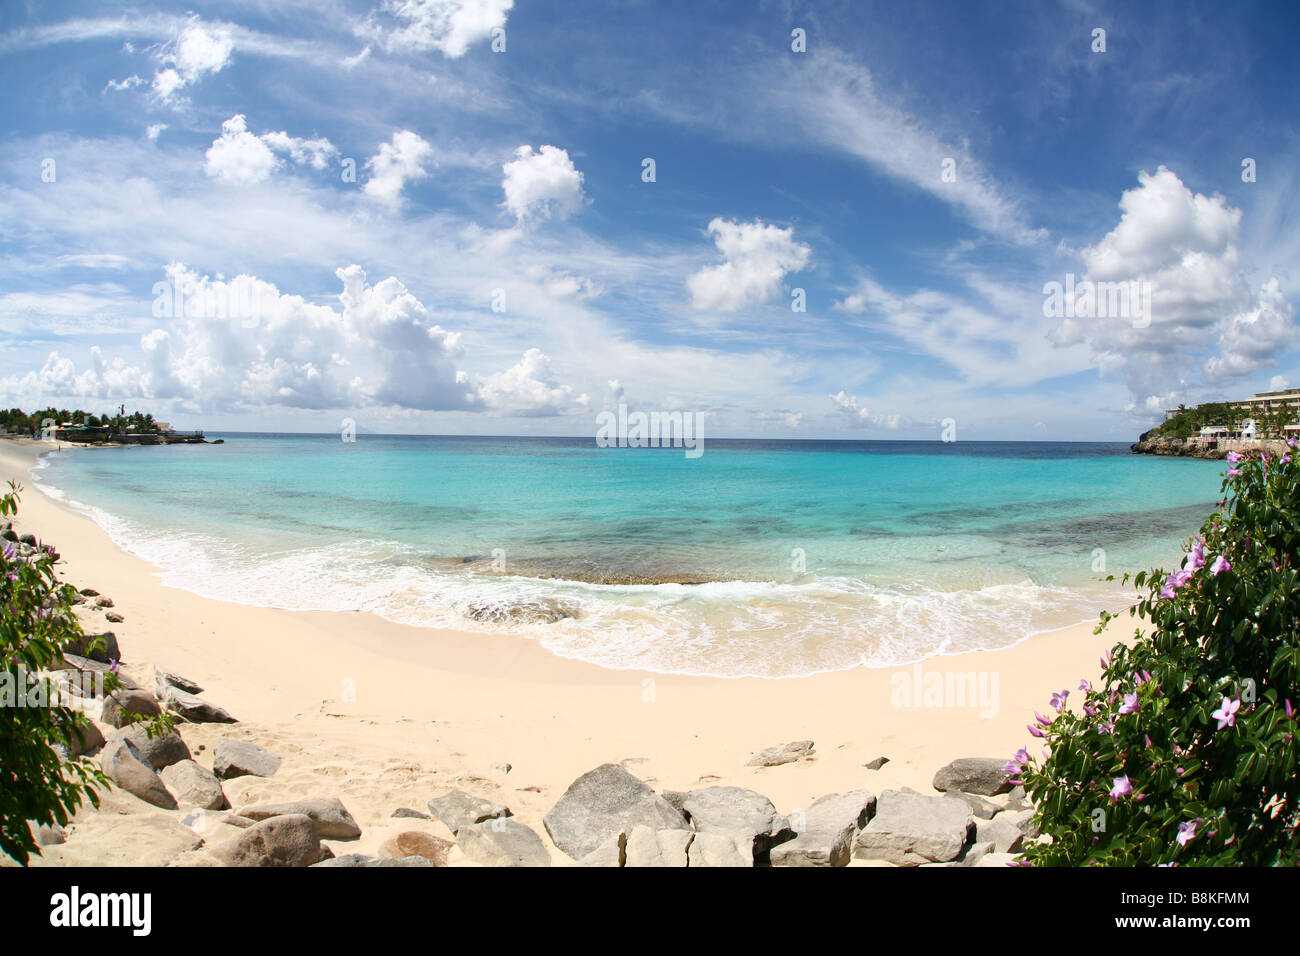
x=768, y=629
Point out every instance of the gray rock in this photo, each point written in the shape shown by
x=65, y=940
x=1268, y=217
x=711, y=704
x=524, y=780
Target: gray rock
x=331, y=818
x=979, y=807
x=279, y=841
x=996, y=859
x=613, y=852
x=1023, y=820
x=97, y=647
x=86, y=738
x=674, y=799
x=160, y=750
x=665, y=848
x=164, y=678
x=714, y=849
x=877, y=763
x=77, y=663
x=602, y=803
x=1002, y=832
x=982, y=775
x=361, y=860
x=195, y=709
x=194, y=785
x=825, y=831
x=909, y=829
x=457, y=809
x=408, y=813
x=502, y=841
x=747, y=817
x=130, y=771
x=123, y=707
x=239, y=758
x=1017, y=798
x=783, y=754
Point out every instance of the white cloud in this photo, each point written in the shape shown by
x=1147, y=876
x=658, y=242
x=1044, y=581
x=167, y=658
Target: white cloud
x=542, y=184
x=397, y=162
x=757, y=257
x=528, y=389
x=1277, y=383
x=449, y=26
x=240, y=157
x=847, y=407
x=1183, y=245
x=154, y=130
x=200, y=49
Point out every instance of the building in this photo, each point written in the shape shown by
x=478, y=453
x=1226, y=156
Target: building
x=1269, y=403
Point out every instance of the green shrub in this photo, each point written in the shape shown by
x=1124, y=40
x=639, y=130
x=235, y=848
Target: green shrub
x=1185, y=752
x=37, y=781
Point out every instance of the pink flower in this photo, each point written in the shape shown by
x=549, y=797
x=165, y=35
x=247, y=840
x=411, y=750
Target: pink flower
x=1226, y=715
x=1220, y=565
x=1186, y=832
x=1233, y=457
x=1196, y=559
x=1121, y=788
x=1058, y=699
x=1085, y=685
x=1130, y=705
x=1234, y=472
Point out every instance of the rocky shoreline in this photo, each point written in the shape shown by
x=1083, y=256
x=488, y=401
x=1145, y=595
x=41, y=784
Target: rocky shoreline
x=1148, y=444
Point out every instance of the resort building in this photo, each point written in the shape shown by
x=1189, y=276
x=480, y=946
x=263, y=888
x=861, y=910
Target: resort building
x=1269, y=403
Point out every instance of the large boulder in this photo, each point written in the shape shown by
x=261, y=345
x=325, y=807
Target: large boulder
x=910, y=829
x=279, y=841
x=161, y=750
x=1002, y=832
x=982, y=775
x=331, y=818
x=782, y=754
x=665, y=848
x=194, y=709
x=89, y=670
x=164, y=678
x=603, y=803
x=129, y=769
x=502, y=841
x=825, y=831
x=194, y=785
x=85, y=738
x=715, y=849
x=747, y=817
x=123, y=707
x=457, y=809
x=239, y=758
x=100, y=647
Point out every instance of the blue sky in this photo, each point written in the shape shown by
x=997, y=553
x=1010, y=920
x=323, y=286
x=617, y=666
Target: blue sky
x=498, y=265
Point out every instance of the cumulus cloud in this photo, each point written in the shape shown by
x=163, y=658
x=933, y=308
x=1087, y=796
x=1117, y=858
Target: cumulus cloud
x=238, y=156
x=756, y=258
x=199, y=50
x=847, y=407
x=448, y=26
x=1183, y=247
x=398, y=161
x=542, y=185
x=242, y=344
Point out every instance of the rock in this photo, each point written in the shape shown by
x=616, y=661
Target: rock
x=86, y=738
x=877, y=763
x=613, y=852
x=129, y=769
x=502, y=767
x=48, y=834
x=502, y=841
x=123, y=707
x=417, y=843
x=128, y=840
x=103, y=602
x=360, y=859
x=1017, y=799
x=194, y=785
x=195, y=709
x=714, y=849
x=747, y=817
x=996, y=859
x=239, y=758
x=824, y=835
x=331, y=818
x=1022, y=820
x=408, y=813
x=164, y=678
x=602, y=803
x=979, y=807
x=160, y=750
x=456, y=809
x=542, y=611
x=114, y=618
x=1005, y=836
x=28, y=539
x=89, y=592
x=971, y=855
x=785, y=753
x=98, y=647
x=665, y=848
x=279, y=841
x=982, y=775
x=9, y=534
x=909, y=829
x=85, y=665
x=674, y=799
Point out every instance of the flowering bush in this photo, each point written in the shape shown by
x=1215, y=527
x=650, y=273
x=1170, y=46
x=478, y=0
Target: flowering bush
x=38, y=782
x=1184, y=753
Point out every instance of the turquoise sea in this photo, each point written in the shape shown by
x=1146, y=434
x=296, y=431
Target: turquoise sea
x=759, y=558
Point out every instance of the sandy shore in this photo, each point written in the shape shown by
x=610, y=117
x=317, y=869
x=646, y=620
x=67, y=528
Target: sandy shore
x=436, y=709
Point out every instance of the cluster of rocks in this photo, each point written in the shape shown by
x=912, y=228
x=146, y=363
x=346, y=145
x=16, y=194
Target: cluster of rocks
x=24, y=546
x=1149, y=444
